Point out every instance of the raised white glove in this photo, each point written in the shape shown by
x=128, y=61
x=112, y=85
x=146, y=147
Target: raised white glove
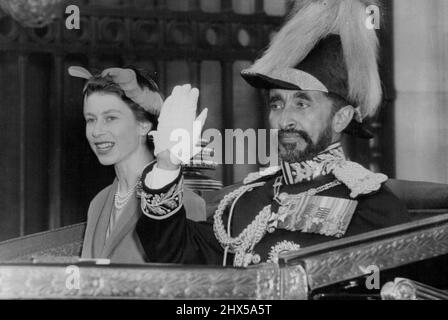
x=179, y=130
x=127, y=80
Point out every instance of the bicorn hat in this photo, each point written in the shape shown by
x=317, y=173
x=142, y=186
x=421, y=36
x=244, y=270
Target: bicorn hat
x=328, y=46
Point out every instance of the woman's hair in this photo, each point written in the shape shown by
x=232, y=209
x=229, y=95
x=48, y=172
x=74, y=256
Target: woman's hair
x=106, y=85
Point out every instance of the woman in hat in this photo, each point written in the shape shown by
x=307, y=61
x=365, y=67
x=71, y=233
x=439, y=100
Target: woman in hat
x=120, y=109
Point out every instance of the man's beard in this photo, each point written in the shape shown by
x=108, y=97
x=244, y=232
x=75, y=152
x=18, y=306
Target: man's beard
x=290, y=153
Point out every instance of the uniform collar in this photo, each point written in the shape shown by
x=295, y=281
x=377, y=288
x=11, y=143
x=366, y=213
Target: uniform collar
x=310, y=169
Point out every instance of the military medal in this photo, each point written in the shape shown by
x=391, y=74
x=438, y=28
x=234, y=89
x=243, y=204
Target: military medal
x=316, y=214
x=303, y=212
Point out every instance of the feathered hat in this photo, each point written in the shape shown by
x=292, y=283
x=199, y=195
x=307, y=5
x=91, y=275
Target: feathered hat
x=325, y=45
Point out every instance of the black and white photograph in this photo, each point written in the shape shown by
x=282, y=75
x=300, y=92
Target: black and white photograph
x=223, y=155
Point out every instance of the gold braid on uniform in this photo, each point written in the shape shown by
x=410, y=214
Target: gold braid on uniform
x=243, y=245
x=161, y=203
x=281, y=247
x=250, y=236
x=164, y=204
x=331, y=161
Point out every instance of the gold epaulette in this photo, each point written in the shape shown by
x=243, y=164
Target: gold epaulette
x=254, y=176
x=357, y=178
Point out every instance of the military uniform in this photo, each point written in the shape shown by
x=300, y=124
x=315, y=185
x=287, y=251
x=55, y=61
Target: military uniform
x=324, y=47
x=288, y=208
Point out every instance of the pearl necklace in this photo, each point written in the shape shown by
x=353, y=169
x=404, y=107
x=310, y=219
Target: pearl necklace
x=244, y=243
x=121, y=201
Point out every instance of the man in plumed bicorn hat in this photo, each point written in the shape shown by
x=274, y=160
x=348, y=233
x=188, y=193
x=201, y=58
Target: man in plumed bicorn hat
x=321, y=74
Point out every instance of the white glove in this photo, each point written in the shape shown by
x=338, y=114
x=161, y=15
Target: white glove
x=178, y=130
x=127, y=80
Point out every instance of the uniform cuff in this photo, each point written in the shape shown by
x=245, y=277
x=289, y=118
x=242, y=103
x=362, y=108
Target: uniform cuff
x=163, y=202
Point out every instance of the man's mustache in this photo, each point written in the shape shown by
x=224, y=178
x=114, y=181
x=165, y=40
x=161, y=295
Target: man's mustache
x=287, y=133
